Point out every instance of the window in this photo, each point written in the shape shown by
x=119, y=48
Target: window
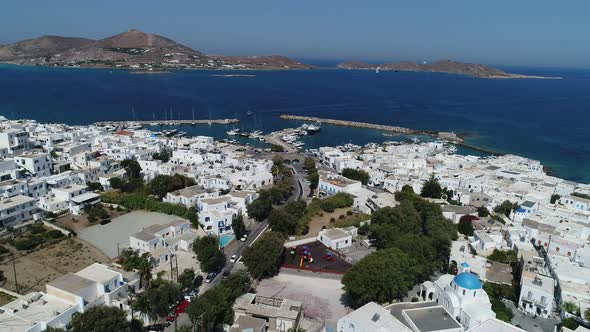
x=463, y=292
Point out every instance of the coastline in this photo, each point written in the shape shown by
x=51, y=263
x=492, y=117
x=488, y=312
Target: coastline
x=273, y=68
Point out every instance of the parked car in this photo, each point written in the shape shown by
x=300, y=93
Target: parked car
x=181, y=307
x=198, y=281
x=155, y=328
x=210, y=277
x=244, y=238
x=233, y=258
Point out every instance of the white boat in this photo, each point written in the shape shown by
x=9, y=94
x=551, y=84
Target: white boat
x=312, y=128
x=233, y=132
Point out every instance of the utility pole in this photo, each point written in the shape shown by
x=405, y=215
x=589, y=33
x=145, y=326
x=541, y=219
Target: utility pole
x=15, y=278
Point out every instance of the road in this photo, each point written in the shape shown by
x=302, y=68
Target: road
x=302, y=191
x=234, y=248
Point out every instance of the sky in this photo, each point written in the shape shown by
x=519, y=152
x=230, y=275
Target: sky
x=501, y=32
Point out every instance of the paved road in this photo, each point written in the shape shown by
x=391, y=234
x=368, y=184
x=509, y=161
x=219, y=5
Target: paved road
x=234, y=248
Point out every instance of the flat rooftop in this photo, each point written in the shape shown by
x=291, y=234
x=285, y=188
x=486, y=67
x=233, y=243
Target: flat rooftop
x=41, y=307
x=431, y=319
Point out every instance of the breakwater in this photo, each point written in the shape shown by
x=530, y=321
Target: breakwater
x=166, y=123
x=394, y=129
x=447, y=136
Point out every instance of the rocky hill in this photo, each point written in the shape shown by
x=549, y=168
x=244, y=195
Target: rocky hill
x=443, y=66
x=40, y=47
x=131, y=49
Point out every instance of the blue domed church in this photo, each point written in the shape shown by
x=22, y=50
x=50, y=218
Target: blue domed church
x=462, y=296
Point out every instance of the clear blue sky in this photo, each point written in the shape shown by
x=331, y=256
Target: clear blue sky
x=502, y=32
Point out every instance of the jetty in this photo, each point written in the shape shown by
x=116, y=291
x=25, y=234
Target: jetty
x=447, y=136
x=166, y=122
x=443, y=135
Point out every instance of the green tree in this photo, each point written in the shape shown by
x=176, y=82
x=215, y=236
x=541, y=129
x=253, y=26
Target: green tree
x=164, y=155
x=156, y=300
x=100, y=319
x=483, y=212
x=503, y=313
x=314, y=179
x=214, y=307
x=356, y=174
x=259, y=209
x=503, y=256
x=186, y=279
x=465, y=225
x=263, y=258
x=163, y=184
x=570, y=323
x=382, y=276
x=506, y=208
x=431, y=188
x=281, y=221
x=208, y=254
x=238, y=226
x=587, y=315
x=571, y=308
x=193, y=216
x=116, y=183
x=132, y=167
x=94, y=186
x=554, y=198
x=131, y=260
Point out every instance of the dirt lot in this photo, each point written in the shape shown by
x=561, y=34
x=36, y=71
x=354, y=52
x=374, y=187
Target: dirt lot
x=78, y=223
x=323, y=299
x=37, y=268
x=323, y=219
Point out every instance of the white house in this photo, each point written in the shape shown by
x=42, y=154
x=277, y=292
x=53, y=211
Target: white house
x=190, y=195
x=335, y=238
x=162, y=241
x=575, y=202
x=16, y=209
x=332, y=184
x=16, y=141
x=76, y=197
x=536, y=294
x=36, y=164
x=67, y=295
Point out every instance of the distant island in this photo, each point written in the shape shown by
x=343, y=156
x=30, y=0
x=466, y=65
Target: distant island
x=442, y=66
x=133, y=50
x=150, y=53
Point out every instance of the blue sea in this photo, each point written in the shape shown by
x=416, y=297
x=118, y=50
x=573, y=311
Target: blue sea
x=547, y=120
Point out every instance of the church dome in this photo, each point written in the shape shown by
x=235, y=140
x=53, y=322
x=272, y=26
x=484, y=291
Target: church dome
x=467, y=280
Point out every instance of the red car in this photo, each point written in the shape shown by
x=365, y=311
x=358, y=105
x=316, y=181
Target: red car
x=181, y=307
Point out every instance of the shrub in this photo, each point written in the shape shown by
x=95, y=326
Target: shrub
x=332, y=220
x=349, y=213
x=341, y=217
x=55, y=234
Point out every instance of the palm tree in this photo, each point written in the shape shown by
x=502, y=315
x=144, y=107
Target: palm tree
x=144, y=267
x=144, y=305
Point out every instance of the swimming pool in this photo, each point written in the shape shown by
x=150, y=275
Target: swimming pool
x=225, y=239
